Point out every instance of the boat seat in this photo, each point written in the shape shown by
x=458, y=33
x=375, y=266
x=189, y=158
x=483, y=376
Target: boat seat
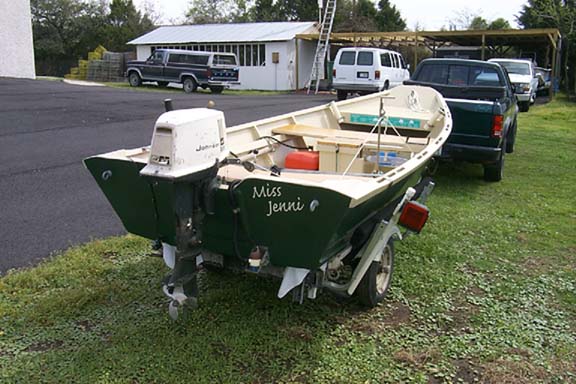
x=332, y=134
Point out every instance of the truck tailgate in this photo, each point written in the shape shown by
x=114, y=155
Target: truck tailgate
x=473, y=120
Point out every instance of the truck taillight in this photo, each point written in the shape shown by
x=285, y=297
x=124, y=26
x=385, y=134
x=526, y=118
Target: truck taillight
x=334, y=72
x=209, y=73
x=497, y=125
x=377, y=75
x=414, y=215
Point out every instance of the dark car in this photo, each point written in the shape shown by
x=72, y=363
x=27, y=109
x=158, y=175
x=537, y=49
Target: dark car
x=484, y=110
x=193, y=69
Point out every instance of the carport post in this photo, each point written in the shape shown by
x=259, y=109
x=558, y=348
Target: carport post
x=296, y=66
x=483, y=47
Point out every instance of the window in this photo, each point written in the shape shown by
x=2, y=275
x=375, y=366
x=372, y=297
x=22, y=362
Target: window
x=458, y=75
x=434, y=73
x=395, y=62
x=156, y=57
x=385, y=60
x=487, y=77
x=347, y=58
x=365, y=58
x=248, y=55
x=224, y=60
x=402, y=62
x=175, y=58
x=241, y=56
x=262, y=55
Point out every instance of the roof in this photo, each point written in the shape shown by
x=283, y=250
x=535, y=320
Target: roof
x=516, y=37
x=225, y=33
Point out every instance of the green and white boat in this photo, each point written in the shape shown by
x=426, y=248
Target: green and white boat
x=315, y=197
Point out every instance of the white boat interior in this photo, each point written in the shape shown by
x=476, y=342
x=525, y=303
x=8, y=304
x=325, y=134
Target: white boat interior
x=356, y=147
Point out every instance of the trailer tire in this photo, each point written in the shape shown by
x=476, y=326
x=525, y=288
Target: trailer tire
x=375, y=283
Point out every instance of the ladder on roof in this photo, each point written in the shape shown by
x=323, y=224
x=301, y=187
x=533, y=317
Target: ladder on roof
x=321, y=49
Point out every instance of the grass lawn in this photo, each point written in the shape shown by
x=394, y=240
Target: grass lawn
x=155, y=88
x=487, y=293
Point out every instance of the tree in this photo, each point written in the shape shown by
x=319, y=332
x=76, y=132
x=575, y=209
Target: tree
x=356, y=16
x=478, y=23
x=499, y=23
x=63, y=31
x=125, y=23
x=210, y=11
x=388, y=18
x=559, y=14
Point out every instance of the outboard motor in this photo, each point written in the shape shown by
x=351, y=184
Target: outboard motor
x=187, y=147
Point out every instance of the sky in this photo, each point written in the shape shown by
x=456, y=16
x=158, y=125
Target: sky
x=428, y=14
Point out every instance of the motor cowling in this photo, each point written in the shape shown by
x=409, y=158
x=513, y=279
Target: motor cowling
x=186, y=142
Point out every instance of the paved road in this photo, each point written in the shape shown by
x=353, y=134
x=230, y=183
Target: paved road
x=48, y=200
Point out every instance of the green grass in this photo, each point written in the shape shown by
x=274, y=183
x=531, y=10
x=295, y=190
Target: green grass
x=154, y=88
x=487, y=293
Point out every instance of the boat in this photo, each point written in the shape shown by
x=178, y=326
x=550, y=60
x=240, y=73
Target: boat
x=314, y=197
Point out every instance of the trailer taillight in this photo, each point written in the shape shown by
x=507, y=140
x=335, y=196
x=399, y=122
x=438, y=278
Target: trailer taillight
x=414, y=215
x=497, y=125
x=377, y=75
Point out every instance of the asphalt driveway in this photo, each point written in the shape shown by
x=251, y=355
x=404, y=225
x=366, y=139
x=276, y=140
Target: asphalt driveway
x=48, y=200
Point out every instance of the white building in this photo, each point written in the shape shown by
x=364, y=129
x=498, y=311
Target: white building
x=270, y=56
x=16, y=44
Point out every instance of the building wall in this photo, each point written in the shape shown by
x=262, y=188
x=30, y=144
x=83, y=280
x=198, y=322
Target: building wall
x=306, y=51
x=16, y=44
x=270, y=76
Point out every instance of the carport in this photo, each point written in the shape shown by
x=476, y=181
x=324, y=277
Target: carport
x=492, y=42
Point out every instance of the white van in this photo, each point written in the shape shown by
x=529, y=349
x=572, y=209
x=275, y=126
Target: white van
x=367, y=70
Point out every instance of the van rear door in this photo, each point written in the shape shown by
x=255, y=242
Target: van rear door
x=364, y=76
x=345, y=73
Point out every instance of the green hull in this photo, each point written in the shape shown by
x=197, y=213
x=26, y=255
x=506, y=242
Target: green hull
x=302, y=226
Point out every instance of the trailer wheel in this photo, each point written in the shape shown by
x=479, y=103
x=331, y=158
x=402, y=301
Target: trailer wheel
x=375, y=283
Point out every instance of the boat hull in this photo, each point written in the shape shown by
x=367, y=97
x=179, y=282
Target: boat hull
x=300, y=225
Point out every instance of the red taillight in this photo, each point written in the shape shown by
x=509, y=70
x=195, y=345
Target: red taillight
x=414, y=216
x=209, y=73
x=497, y=125
x=334, y=73
x=377, y=75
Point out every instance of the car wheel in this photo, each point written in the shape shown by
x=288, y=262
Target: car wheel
x=189, y=85
x=162, y=83
x=524, y=106
x=386, y=86
x=216, y=89
x=375, y=283
x=511, y=138
x=134, y=79
x=495, y=171
x=341, y=95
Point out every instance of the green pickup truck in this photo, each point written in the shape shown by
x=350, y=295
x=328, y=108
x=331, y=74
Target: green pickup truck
x=484, y=110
